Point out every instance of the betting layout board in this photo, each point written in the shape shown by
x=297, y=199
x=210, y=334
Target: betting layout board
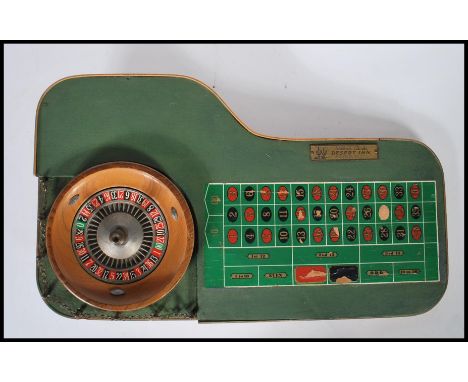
x=291, y=234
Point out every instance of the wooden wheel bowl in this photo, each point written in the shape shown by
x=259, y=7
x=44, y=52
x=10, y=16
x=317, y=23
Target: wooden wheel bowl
x=102, y=292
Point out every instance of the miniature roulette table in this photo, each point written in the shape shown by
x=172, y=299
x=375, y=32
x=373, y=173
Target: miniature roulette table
x=157, y=202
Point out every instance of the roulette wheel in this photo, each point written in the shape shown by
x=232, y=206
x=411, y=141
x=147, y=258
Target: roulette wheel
x=120, y=215
x=155, y=201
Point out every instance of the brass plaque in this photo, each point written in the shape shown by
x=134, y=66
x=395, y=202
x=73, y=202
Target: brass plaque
x=344, y=151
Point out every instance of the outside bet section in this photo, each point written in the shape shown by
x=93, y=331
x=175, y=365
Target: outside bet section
x=273, y=234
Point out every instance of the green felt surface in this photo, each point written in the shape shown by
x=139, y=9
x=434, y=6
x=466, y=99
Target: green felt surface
x=180, y=128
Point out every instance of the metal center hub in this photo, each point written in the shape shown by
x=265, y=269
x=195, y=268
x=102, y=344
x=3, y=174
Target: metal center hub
x=120, y=235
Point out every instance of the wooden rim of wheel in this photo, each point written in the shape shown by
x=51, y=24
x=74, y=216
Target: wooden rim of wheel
x=61, y=239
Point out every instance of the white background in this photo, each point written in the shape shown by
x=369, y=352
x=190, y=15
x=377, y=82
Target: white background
x=242, y=19
x=401, y=91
